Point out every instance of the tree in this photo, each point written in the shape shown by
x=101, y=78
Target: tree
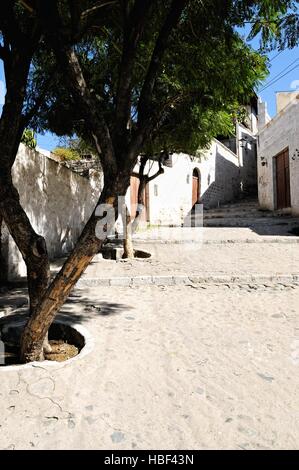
x=198, y=101
x=20, y=35
x=121, y=113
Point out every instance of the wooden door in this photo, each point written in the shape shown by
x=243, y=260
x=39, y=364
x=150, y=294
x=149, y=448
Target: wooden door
x=134, y=185
x=195, y=187
x=283, y=189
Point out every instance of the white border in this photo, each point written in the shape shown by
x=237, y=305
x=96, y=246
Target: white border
x=87, y=348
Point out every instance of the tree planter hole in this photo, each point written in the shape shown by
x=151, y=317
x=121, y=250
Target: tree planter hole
x=65, y=340
x=116, y=253
x=141, y=254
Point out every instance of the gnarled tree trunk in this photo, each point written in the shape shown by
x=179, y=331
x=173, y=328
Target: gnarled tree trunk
x=31, y=245
x=86, y=248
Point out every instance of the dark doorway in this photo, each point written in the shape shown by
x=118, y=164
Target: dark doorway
x=196, y=186
x=283, y=192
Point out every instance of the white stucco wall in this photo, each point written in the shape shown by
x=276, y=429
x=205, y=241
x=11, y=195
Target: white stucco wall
x=281, y=132
x=170, y=194
x=57, y=201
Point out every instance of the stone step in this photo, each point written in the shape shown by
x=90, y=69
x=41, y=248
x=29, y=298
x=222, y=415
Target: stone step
x=239, y=215
x=245, y=221
x=233, y=207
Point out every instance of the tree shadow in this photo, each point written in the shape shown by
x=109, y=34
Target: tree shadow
x=77, y=308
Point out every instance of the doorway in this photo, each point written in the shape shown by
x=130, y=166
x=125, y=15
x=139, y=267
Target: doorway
x=283, y=187
x=196, y=186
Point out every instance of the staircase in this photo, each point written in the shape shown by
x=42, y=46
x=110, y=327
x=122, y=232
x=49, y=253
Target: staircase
x=242, y=214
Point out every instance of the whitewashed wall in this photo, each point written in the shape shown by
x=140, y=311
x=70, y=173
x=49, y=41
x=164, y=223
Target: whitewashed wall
x=170, y=194
x=57, y=201
x=281, y=132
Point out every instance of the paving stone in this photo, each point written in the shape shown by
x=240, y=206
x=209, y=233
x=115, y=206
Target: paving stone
x=120, y=281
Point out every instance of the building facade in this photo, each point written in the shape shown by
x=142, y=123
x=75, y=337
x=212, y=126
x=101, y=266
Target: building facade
x=221, y=174
x=278, y=155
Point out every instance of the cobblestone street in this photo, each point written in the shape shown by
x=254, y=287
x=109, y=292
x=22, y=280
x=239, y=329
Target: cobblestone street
x=196, y=347
x=172, y=367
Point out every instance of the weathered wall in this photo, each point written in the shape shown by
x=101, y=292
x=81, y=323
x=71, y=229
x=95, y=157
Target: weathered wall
x=263, y=115
x=170, y=194
x=57, y=201
x=284, y=98
x=281, y=132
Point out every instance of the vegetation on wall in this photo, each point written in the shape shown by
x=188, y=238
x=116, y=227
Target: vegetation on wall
x=66, y=154
x=28, y=139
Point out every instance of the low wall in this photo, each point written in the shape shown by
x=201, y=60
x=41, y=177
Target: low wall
x=57, y=201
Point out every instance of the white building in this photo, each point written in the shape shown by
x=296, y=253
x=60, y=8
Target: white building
x=221, y=174
x=278, y=155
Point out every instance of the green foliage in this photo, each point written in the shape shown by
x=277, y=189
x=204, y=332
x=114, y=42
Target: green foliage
x=66, y=154
x=28, y=139
x=207, y=74
x=275, y=21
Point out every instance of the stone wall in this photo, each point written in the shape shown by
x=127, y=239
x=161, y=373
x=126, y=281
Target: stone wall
x=280, y=133
x=57, y=201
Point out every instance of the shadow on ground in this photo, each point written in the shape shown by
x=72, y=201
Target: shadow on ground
x=77, y=308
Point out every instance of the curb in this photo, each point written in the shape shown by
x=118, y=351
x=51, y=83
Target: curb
x=134, y=281
x=283, y=241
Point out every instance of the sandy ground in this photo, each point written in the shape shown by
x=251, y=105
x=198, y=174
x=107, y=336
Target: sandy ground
x=172, y=368
x=241, y=258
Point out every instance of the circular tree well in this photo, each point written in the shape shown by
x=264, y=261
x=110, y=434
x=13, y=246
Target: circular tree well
x=68, y=341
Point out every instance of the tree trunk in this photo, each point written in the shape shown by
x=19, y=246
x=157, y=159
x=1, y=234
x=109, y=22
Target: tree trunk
x=57, y=293
x=140, y=200
x=31, y=245
x=3, y=263
x=127, y=234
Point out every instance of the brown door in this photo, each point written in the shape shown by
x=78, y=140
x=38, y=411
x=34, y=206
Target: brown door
x=134, y=185
x=195, y=187
x=283, y=193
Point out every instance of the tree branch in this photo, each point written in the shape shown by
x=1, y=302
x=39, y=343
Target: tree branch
x=90, y=11
x=9, y=25
x=144, y=122
x=133, y=29
x=158, y=173
x=38, y=102
x=145, y=99
x=69, y=63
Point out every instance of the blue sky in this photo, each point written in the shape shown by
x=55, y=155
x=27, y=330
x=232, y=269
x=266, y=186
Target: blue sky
x=278, y=64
